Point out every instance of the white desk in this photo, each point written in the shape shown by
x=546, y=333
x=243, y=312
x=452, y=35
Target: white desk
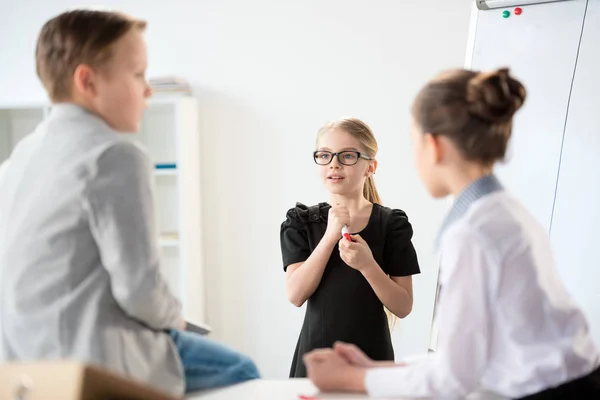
x=289, y=389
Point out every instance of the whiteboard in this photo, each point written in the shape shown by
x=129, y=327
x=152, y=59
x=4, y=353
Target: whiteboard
x=576, y=219
x=540, y=47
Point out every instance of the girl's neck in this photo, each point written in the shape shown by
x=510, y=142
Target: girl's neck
x=466, y=175
x=354, y=203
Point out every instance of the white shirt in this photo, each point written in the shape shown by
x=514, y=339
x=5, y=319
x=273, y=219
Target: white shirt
x=3, y=169
x=506, y=323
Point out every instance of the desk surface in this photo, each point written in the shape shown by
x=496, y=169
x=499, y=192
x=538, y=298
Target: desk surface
x=289, y=389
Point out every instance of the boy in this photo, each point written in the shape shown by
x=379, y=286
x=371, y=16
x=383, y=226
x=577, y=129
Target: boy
x=79, y=264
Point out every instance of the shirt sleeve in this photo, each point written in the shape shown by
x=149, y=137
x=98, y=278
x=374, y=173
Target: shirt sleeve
x=294, y=240
x=120, y=202
x=464, y=308
x=400, y=257
x=3, y=169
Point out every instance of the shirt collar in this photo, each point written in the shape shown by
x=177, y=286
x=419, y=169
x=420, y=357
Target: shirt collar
x=68, y=109
x=476, y=190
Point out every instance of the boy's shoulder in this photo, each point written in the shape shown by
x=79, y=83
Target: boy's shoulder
x=94, y=135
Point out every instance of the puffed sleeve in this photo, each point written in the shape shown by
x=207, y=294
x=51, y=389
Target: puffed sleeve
x=400, y=257
x=294, y=240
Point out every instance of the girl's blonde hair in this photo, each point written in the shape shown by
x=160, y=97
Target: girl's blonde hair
x=361, y=132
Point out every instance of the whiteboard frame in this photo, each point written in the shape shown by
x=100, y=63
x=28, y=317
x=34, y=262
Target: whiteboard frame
x=493, y=4
x=471, y=39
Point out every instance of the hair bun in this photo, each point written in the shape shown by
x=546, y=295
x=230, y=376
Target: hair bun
x=494, y=96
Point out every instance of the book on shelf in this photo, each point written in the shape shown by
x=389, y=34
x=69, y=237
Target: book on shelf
x=169, y=236
x=165, y=166
x=169, y=84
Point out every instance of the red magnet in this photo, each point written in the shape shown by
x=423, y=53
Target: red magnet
x=518, y=11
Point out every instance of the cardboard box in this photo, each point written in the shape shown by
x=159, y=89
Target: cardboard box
x=65, y=380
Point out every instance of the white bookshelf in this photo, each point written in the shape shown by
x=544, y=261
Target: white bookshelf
x=171, y=137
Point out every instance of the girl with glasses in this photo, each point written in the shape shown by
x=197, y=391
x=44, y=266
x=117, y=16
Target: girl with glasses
x=347, y=283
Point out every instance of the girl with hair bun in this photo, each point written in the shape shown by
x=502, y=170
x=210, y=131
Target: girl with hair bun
x=507, y=326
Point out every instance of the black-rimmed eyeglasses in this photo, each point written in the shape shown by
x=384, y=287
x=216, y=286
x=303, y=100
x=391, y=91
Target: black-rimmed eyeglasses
x=344, y=157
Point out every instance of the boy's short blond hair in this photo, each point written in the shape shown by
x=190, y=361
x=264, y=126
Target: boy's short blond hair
x=74, y=38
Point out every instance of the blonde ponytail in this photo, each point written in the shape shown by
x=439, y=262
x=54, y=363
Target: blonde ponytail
x=370, y=191
x=371, y=194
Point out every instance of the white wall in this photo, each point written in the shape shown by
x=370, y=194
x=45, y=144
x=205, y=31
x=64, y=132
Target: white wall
x=268, y=74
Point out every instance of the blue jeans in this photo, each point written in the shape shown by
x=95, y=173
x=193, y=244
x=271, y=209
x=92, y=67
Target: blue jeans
x=208, y=364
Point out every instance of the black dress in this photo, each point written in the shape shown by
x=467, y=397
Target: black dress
x=344, y=307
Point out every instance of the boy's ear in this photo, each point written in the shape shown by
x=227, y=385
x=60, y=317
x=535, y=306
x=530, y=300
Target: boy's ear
x=84, y=80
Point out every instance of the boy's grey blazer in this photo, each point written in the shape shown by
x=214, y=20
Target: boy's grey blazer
x=79, y=262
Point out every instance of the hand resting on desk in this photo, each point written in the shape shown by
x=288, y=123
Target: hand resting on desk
x=357, y=357
x=341, y=368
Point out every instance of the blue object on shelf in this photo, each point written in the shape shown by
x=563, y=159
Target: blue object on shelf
x=166, y=166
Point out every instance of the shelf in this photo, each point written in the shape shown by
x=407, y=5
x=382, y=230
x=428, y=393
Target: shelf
x=169, y=240
x=166, y=172
x=170, y=135
x=169, y=243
